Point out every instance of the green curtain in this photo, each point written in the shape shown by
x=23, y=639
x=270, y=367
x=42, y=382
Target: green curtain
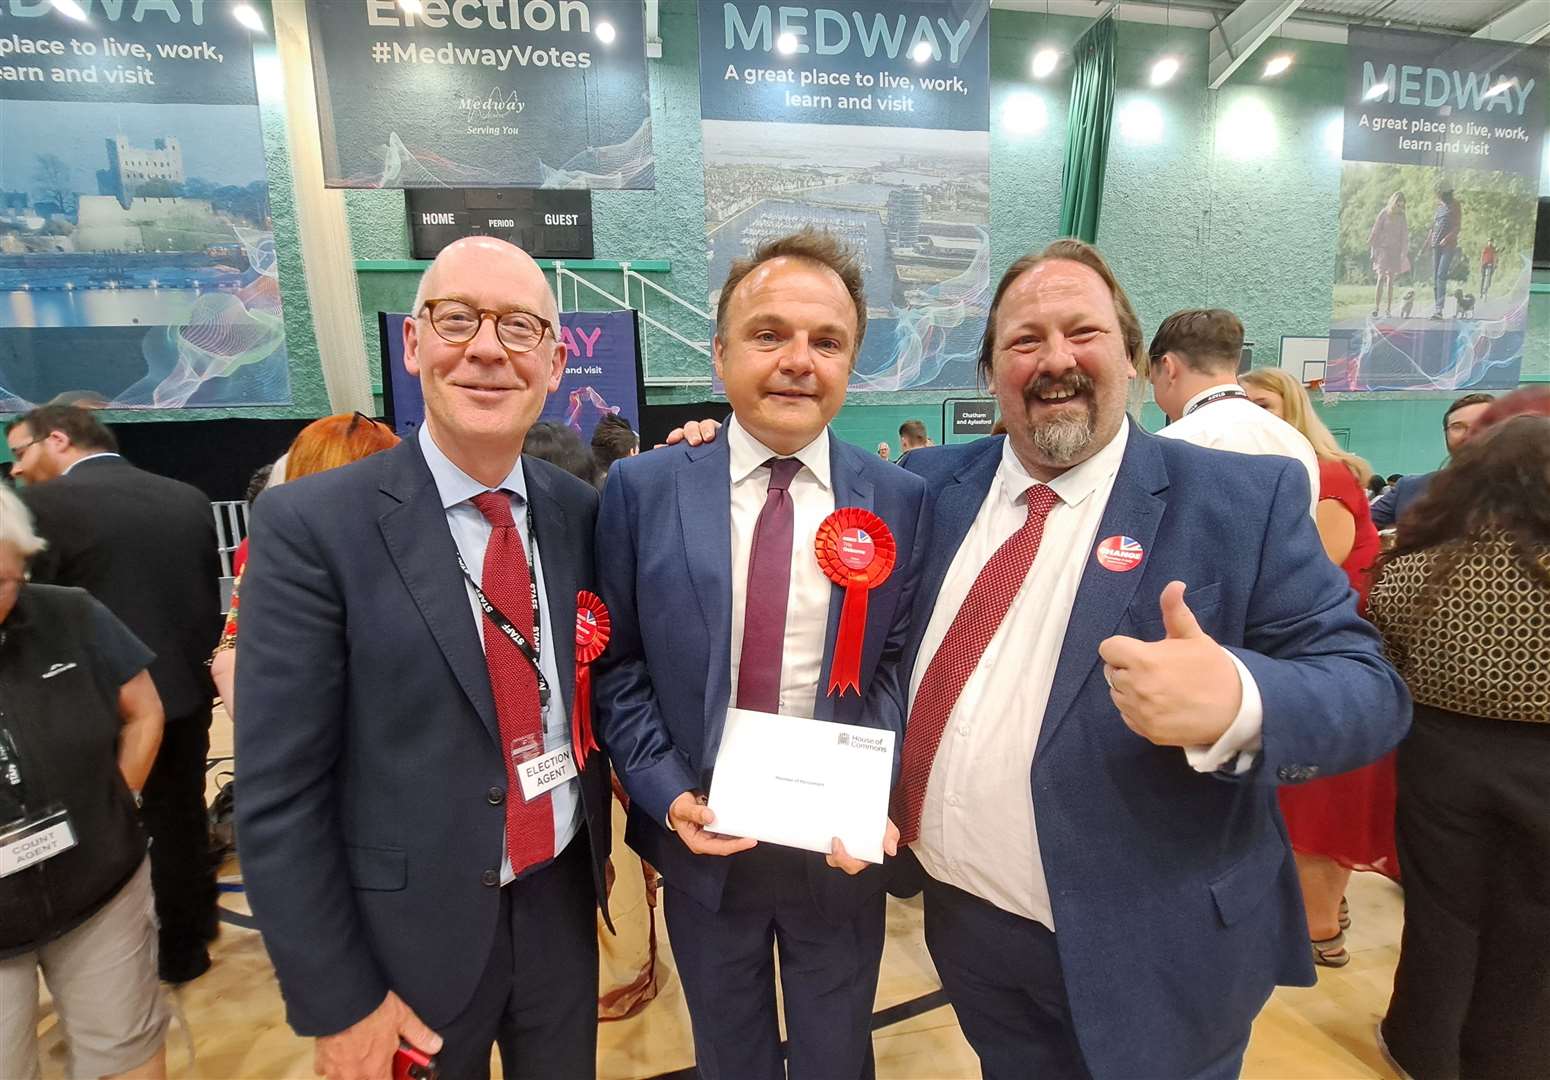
x=1087, y=131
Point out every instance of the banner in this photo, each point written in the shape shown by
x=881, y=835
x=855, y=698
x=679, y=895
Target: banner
x=137, y=263
x=482, y=93
x=1442, y=149
x=870, y=120
x=602, y=373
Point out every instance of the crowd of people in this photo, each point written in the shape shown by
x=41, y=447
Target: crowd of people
x=1145, y=697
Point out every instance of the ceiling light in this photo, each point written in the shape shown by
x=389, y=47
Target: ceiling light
x=1376, y=91
x=605, y=32
x=249, y=18
x=786, y=44
x=921, y=52
x=1164, y=69
x=1277, y=65
x=1044, y=62
x=1140, y=122
x=70, y=8
x=1024, y=113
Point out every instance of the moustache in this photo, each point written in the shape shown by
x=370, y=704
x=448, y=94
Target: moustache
x=1074, y=382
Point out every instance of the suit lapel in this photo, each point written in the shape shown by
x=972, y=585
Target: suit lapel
x=703, y=487
x=551, y=529
x=414, y=528
x=953, y=512
x=851, y=488
x=1134, y=510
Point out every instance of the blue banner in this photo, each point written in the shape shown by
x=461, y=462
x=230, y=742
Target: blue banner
x=871, y=120
x=137, y=263
x=482, y=93
x=602, y=373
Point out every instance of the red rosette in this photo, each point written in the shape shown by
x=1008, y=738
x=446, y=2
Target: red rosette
x=857, y=552
x=593, y=628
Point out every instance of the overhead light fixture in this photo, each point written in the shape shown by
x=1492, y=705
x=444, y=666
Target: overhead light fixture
x=1277, y=65
x=1044, y=62
x=70, y=9
x=786, y=44
x=605, y=32
x=1374, y=92
x=1024, y=113
x=412, y=7
x=249, y=18
x=1140, y=121
x=921, y=52
x=1501, y=87
x=1164, y=70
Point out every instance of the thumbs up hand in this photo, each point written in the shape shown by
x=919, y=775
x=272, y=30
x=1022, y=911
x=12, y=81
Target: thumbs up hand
x=1181, y=691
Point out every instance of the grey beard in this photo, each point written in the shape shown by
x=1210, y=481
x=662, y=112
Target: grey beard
x=1060, y=441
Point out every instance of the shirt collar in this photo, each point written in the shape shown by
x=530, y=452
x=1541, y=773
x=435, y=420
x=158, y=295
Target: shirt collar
x=1071, y=486
x=89, y=457
x=749, y=454
x=1229, y=387
x=456, y=486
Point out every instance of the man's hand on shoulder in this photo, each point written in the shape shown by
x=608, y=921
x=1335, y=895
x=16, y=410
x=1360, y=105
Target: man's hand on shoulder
x=690, y=818
x=694, y=432
x=365, y=1049
x=1181, y=691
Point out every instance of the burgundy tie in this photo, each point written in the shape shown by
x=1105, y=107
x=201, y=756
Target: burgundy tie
x=513, y=682
x=769, y=583
x=976, y=623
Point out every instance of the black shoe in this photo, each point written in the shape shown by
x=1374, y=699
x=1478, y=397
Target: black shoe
x=181, y=969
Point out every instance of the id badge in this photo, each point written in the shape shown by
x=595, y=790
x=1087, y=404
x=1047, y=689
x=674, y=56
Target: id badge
x=538, y=770
x=35, y=839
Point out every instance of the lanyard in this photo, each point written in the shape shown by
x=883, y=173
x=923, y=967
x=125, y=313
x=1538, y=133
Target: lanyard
x=14, y=800
x=1220, y=395
x=531, y=651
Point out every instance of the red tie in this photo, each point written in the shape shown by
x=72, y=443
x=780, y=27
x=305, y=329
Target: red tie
x=769, y=587
x=513, y=682
x=959, y=654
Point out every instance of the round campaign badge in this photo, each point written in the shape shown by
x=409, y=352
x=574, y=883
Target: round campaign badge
x=1120, y=553
x=857, y=549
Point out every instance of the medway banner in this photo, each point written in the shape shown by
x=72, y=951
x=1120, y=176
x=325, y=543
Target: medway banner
x=137, y=262
x=482, y=93
x=1438, y=197
x=870, y=120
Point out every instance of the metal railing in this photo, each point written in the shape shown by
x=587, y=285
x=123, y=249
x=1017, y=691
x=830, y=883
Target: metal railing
x=696, y=336
x=231, y=526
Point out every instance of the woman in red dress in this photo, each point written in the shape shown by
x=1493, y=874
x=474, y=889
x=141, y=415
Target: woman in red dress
x=1346, y=822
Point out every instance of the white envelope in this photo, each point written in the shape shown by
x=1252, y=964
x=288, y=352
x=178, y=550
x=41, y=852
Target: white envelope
x=786, y=780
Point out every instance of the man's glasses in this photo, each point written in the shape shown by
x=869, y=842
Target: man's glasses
x=18, y=451
x=458, y=323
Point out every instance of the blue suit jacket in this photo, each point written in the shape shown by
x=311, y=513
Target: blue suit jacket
x=664, y=538
x=1389, y=507
x=373, y=783
x=1175, y=897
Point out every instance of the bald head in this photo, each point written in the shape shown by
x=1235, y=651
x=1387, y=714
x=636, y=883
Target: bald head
x=498, y=264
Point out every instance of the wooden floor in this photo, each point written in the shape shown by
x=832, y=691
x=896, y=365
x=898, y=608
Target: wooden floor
x=231, y=1021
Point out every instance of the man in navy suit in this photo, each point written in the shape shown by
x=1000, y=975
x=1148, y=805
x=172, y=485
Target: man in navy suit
x=707, y=563
x=423, y=854
x=1121, y=645
x=1458, y=424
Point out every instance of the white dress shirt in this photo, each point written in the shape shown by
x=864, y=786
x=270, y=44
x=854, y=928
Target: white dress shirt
x=978, y=827
x=1236, y=423
x=807, y=603
x=88, y=457
x=471, y=532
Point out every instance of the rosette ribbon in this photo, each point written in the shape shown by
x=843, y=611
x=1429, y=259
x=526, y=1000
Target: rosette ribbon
x=593, y=627
x=857, y=552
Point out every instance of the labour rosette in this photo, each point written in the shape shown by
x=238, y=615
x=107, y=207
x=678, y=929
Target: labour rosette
x=593, y=627
x=857, y=552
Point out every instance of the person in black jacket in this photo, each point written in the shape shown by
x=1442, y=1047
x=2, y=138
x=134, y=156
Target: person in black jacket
x=79, y=725
x=145, y=546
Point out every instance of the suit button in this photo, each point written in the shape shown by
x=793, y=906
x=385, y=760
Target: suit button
x=490, y=877
x=496, y=796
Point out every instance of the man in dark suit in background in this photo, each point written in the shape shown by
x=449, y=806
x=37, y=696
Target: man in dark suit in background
x=145, y=546
x=1458, y=424
x=423, y=853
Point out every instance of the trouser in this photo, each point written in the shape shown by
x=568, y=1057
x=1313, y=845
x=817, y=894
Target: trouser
x=1487, y=272
x=828, y=973
x=1472, y=991
x=537, y=998
x=173, y=812
x=1442, y=262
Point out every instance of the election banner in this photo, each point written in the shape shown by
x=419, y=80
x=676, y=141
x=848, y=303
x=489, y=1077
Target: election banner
x=482, y=93
x=1438, y=197
x=870, y=120
x=602, y=373
x=137, y=262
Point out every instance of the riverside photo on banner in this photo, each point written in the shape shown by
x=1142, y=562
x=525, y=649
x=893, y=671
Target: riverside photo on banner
x=1438, y=197
x=482, y=93
x=869, y=119
x=137, y=262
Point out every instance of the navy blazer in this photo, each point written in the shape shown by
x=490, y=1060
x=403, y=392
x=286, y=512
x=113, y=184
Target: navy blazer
x=664, y=538
x=1389, y=507
x=371, y=807
x=1175, y=896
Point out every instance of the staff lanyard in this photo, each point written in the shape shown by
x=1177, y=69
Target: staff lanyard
x=531, y=651
x=10, y=777
x=1220, y=395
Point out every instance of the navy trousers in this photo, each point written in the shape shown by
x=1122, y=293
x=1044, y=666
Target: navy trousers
x=828, y=973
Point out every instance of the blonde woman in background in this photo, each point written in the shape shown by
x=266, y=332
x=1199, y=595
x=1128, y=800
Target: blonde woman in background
x=1340, y=823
